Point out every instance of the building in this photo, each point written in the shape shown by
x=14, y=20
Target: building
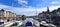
x=45, y=16
x=44, y=13
x=7, y=14
x=51, y=17
x=1, y=13
x=56, y=16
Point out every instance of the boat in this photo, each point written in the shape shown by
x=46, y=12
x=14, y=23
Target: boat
x=1, y=21
x=8, y=24
x=44, y=24
x=17, y=23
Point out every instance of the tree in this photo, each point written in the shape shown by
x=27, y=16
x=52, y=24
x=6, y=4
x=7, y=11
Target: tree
x=23, y=17
x=2, y=10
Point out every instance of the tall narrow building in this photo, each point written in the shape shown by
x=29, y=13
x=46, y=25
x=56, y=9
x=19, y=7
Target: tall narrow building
x=48, y=9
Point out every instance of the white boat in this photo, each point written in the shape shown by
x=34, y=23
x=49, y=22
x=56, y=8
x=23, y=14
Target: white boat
x=33, y=21
x=37, y=23
x=17, y=23
x=8, y=24
x=1, y=22
x=46, y=24
x=20, y=23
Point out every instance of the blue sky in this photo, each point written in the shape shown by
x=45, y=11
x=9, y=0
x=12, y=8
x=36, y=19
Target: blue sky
x=29, y=7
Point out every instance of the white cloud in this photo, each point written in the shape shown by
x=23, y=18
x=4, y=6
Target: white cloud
x=54, y=2
x=5, y=7
x=27, y=11
x=54, y=8
x=24, y=9
x=22, y=2
x=34, y=10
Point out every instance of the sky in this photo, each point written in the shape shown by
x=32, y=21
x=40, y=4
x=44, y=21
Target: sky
x=29, y=7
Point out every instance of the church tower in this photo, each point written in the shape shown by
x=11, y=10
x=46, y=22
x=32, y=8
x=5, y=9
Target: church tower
x=48, y=9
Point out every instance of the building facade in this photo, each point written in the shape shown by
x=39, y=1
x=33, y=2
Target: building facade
x=7, y=14
x=1, y=13
x=51, y=17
